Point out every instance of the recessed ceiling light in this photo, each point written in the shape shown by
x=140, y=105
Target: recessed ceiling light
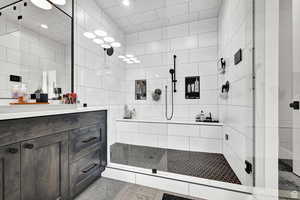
x=121, y=57
x=100, y=33
x=98, y=41
x=43, y=4
x=109, y=39
x=89, y=35
x=59, y=2
x=116, y=44
x=106, y=46
x=126, y=2
x=129, y=56
x=44, y=26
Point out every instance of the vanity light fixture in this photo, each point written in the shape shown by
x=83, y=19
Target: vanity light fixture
x=44, y=26
x=89, y=35
x=100, y=33
x=126, y=2
x=59, y=2
x=116, y=44
x=43, y=4
x=109, y=39
x=105, y=46
x=98, y=41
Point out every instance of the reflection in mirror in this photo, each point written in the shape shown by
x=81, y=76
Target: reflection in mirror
x=35, y=49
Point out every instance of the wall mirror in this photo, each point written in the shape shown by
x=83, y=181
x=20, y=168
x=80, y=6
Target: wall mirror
x=36, y=47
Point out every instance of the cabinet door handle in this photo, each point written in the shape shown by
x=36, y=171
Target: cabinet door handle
x=28, y=146
x=89, y=168
x=12, y=150
x=89, y=140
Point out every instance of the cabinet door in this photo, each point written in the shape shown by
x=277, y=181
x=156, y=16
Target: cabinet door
x=10, y=172
x=44, y=171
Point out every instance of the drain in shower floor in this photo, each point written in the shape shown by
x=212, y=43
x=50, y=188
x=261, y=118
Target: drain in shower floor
x=172, y=197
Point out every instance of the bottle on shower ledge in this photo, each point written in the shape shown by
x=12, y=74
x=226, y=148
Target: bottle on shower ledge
x=202, y=116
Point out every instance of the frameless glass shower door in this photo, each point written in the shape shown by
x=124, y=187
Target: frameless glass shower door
x=289, y=108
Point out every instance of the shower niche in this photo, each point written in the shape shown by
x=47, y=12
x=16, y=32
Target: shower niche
x=140, y=90
x=192, y=87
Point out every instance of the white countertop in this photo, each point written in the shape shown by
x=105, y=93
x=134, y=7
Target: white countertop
x=170, y=122
x=13, y=112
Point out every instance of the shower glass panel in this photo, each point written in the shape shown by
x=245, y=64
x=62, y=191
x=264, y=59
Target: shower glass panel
x=289, y=90
x=205, y=36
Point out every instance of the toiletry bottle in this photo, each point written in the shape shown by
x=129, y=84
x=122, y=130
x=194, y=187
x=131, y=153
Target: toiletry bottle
x=196, y=86
x=202, y=116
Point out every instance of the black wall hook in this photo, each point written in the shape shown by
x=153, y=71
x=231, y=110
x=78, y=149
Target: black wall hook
x=226, y=87
x=222, y=65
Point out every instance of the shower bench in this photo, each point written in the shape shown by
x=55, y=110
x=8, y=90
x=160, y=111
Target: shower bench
x=178, y=135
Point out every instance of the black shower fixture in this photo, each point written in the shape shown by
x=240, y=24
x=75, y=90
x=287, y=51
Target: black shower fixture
x=226, y=87
x=173, y=74
x=222, y=65
x=109, y=51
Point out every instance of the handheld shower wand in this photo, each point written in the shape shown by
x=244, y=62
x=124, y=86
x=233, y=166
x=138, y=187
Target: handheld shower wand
x=173, y=86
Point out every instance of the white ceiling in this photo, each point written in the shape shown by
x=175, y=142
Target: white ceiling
x=149, y=14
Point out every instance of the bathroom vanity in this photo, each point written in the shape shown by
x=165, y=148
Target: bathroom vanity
x=53, y=156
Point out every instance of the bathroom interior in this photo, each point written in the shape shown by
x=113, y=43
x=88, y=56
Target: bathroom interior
x=138, y=99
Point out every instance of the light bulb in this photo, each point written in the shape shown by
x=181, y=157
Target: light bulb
x=100, y=33
x=109, y=39
x=116, y=44
x=98, y=41
x=43, y=4
x=126, y=2
x=89, y=35
x=44, y=26
x=106, y=46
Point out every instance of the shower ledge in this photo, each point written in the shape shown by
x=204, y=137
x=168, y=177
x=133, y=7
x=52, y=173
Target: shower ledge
x=170, y=122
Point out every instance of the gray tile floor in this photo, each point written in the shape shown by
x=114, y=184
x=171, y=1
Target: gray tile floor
x=108, y=189
x=197, y=164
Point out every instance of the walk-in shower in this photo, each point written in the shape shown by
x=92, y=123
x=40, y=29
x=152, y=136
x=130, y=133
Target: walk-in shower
x=173, y=90
x=164, y=139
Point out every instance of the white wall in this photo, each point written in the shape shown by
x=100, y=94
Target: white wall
x=98, y=78
x=186, y=137
x=196, y=47
x=236, y=112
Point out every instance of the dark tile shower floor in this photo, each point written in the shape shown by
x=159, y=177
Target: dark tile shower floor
x=289, y=182
x=198, y=164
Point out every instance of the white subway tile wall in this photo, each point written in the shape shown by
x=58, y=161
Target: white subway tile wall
x=236, y=112
x=172, y=136
x=196, y=47
x=99, y=79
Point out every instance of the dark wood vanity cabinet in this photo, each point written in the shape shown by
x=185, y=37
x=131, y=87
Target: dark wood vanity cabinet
x=10, y=172
x=44, y=171
x=53, y=159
